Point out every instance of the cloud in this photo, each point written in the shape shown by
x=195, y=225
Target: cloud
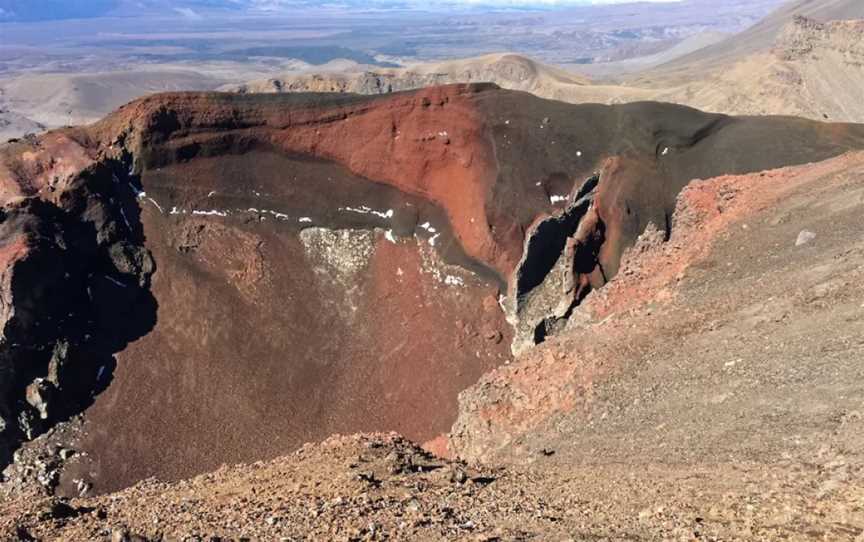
x=280, y=5
x=189, y=13
x=539, y=3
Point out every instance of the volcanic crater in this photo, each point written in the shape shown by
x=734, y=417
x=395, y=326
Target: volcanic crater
x=206, y=278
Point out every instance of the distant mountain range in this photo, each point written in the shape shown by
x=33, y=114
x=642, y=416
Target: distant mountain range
x=802, y=60
x=46, y=10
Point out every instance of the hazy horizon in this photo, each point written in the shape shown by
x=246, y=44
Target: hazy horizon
x=44, y=10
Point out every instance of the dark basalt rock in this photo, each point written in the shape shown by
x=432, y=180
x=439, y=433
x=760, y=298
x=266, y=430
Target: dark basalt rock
x=64, y=314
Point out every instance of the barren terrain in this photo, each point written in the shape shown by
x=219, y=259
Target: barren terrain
x=57, y=71
x=350, y=288
x=784, y=65
x=787, y=65
x=700, y=411
x=235, y=269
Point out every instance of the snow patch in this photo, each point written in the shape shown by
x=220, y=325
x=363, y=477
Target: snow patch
x=213, y=212
x=364, y=210
x=448, y=275
x=276, y=214
x=557, y=199
x=138, y=193
x=126, y=220
x=451, y=280
x=115, y=281
x=153, y=201
x=428, y=227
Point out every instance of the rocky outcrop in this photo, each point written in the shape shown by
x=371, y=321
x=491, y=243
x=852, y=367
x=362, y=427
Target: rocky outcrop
x=809, y=69
x=266, y=270
x=559, y=267
x=76, y=279
x=509, y=71
x=516, y=412
x=805, y=37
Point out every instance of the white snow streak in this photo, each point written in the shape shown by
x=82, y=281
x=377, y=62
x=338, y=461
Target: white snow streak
x=213, y=212
x=364, y=210
x=115, y=281
x=126, y=220
x=153, y=201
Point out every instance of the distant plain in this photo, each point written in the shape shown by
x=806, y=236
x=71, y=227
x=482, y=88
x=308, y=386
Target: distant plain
x=71, y=71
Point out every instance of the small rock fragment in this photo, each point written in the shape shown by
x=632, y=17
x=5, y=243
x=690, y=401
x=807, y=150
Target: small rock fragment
x=38, y=395
x=804, y=237
x=59, y=509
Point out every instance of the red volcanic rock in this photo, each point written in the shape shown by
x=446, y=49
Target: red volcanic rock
x=217, y=278
x=500, y=413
